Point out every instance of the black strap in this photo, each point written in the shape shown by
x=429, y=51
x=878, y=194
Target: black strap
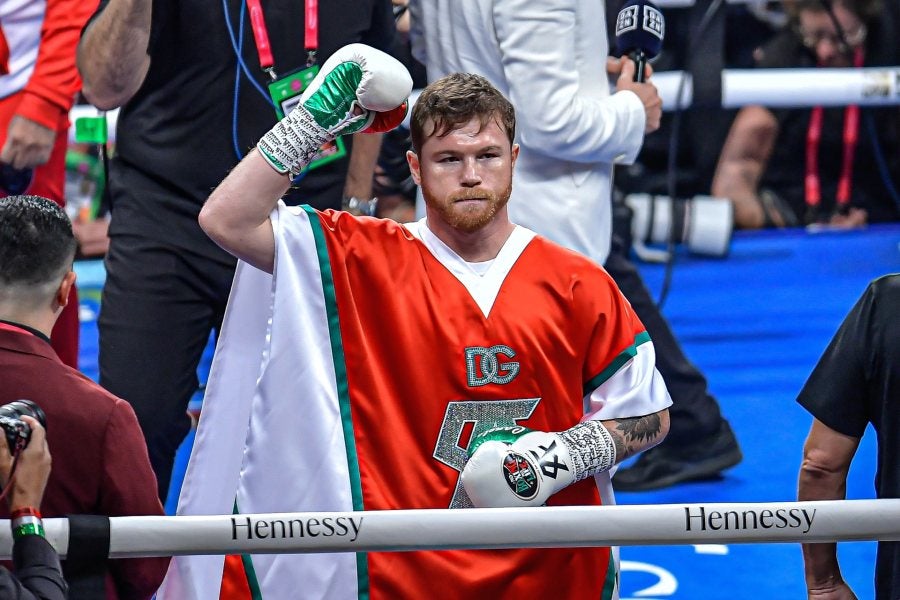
x=85, y=566
x=707, y=56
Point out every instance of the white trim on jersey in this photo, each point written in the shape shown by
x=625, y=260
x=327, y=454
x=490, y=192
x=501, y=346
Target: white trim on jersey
x=483, y=287
x=635, y=390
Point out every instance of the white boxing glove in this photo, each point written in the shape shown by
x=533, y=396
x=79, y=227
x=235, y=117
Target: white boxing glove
x=516, y=466
x=358, y=88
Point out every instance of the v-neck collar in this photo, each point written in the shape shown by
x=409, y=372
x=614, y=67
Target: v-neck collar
x=483, y=288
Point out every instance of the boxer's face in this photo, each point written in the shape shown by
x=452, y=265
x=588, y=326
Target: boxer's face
x=466, y=175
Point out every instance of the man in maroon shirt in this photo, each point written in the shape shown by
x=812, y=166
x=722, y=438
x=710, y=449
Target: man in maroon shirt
x=100, y=462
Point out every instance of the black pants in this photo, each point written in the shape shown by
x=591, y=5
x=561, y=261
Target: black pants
x=694, y=412
x=159, y=305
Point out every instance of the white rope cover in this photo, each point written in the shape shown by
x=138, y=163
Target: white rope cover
x=779, y=88
x=578, y=526
x=686, y=3
x=769, y=87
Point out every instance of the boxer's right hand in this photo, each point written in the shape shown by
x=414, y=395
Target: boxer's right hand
x=358, y=88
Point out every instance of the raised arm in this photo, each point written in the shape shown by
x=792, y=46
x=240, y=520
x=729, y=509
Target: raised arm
x=236, y=215
x=358, y=89
x=112, y=55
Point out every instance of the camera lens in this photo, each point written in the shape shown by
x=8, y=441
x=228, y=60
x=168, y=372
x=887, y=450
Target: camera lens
x=17, y=431
x=28, y=408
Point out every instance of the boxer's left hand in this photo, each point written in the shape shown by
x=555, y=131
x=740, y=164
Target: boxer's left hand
x=515, y=466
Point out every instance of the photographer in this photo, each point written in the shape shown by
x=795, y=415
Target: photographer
x=102, y=467
x=37, y=570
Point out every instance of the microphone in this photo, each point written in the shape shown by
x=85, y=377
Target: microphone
x=640, y=28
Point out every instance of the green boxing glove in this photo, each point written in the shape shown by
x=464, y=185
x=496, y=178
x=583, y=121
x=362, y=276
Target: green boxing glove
x=358, y=88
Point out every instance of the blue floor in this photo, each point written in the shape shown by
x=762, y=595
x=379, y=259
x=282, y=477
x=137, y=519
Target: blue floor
x=755, y=323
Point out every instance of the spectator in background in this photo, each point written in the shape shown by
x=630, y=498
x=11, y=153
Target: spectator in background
x=38, y=82
x=856, y=382
x=38, y=575
x=101, y=466
x=188, y=77
x=394, y=186
x=837, y=166
x=550, y=59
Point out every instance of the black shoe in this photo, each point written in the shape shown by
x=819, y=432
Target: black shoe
x=667, y=465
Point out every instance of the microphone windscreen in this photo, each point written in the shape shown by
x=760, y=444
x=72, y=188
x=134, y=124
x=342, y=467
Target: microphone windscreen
x=640, y=26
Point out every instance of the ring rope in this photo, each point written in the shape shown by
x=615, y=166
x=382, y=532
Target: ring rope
x=548, y=527
x=769, y=87
x=869, y=86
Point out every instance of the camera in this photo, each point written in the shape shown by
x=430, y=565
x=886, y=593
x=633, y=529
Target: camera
x=18, y=432
x=703, y=223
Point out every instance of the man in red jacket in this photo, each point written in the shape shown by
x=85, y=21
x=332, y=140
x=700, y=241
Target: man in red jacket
x=38, y=82
x=100, y=464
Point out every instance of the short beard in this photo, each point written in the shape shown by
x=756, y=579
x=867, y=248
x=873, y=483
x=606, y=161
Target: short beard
x=473, y=218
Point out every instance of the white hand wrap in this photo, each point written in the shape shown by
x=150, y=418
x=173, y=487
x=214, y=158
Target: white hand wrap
x=293, y=142
x=591, y=448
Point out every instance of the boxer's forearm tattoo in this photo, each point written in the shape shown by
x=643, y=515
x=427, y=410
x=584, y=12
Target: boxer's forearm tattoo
x=635, y=434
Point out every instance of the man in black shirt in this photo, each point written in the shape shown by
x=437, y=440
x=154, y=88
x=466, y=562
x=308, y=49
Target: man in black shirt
x=856, y=382
x=191, y=77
